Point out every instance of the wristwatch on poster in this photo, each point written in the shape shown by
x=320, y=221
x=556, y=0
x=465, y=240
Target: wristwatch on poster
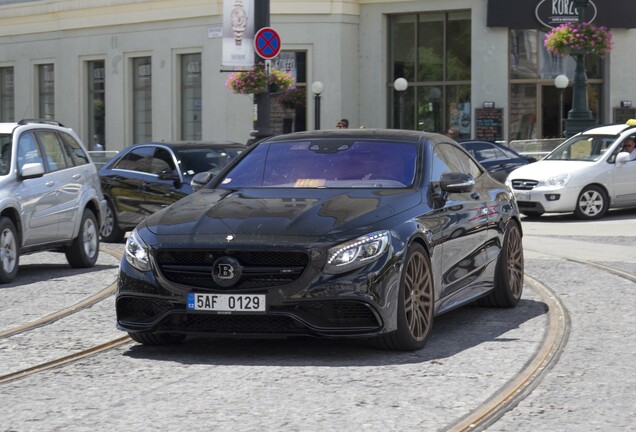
x=239, y=21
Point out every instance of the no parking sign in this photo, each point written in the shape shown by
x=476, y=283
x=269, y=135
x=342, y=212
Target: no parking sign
x=267, y=43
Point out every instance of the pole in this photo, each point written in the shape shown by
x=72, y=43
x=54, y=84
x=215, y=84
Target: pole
x=560, y=113
x=262, y=121
x=317, y=111
x=580, y=117
x=401, y=109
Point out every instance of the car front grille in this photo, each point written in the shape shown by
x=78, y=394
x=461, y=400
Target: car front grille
x=520, y=184
x=259, y=268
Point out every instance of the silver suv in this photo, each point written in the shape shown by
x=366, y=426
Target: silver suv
x=50, y=197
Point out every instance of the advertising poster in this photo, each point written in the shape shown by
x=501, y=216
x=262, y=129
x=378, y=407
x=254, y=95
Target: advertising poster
x=238, y=33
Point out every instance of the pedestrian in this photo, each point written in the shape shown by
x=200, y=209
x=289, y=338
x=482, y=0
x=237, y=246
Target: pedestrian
x=451, y=133
x=342, y=124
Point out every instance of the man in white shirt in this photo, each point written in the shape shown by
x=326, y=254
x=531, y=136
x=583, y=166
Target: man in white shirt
x=629, y=146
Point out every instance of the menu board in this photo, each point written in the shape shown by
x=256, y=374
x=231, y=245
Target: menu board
x=488, y=124
x=621, y=115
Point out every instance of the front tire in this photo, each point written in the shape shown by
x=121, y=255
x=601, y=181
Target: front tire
x=9, y=251
x=592, y=203
x=509, y=271
x=84, y=250
x=415, y=304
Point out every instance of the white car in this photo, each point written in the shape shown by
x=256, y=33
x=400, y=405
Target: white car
x=587, y=175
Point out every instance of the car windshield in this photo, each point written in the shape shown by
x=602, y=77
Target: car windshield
x=583, y=148
x=196, y=160
x=5, y=153
x=326, y=163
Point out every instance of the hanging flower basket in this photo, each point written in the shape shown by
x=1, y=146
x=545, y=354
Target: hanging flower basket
x=578, y=38
x=257, y=81
x=292, y=98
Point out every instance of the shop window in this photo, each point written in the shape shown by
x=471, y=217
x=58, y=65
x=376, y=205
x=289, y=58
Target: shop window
x=6, y=94
x=289, y=108
x=142, y=99
x=46, y=91
x=191, y=97
x=534, y=100
x=432, y=52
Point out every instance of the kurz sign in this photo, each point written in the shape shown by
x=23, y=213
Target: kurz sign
x=552, y=13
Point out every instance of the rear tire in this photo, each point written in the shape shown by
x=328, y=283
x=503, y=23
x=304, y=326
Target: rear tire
x=84, y=250
x=592, y=203
x=110, y=230
x=509, y=271
x=415, y=304
x=148, y=338
x=9, y=250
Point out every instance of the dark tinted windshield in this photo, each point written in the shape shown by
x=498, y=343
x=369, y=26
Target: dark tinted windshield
x=327, y=163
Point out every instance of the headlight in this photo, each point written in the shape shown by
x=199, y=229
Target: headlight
x=357, y=252
x=558, y=180
x=137, y=252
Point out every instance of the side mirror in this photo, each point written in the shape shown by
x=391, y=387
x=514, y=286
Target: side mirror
x=31, y=170
x=621, y=158
x=457, y=182
x=201, y=179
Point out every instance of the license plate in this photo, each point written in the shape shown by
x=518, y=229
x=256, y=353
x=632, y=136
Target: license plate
x=522, y=196
x=226, y=303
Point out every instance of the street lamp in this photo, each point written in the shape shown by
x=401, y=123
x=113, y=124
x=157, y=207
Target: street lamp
x=400, y=85
x=561, y=82
x=579, y=117
x=317, y=88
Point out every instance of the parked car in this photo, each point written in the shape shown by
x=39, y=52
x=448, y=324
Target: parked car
x=349, y=233
x=587, y=174
x=144, y=178
x=50, y=199
x=498, y=159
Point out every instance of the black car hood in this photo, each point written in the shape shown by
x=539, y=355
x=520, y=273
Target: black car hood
x=274, y=212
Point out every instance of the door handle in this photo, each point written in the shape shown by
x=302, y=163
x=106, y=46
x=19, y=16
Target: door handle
x=49, y=183
x=77, y=176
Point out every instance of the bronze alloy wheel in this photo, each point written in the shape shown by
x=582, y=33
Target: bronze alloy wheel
x=418, y=295
x=415, y=304
x=509, y=272
x=514, y=251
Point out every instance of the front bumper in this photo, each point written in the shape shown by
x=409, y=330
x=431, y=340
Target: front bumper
x=360, y=303
x=547, y=200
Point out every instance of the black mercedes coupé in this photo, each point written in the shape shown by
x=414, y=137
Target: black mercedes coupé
x=365, y=233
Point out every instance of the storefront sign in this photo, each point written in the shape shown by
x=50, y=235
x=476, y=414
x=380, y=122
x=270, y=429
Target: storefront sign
x=536, y=14
x=553, y=13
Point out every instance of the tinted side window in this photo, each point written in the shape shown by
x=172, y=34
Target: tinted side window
x=73, y=149
x=161, y=161
x=28, y=150
x=136, y=160
x=466, y=163
x=5, y=154
x=53, y=150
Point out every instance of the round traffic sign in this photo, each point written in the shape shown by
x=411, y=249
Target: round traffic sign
x=267, y=43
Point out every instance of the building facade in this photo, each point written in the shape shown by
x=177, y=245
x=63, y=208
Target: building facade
x=127, y=71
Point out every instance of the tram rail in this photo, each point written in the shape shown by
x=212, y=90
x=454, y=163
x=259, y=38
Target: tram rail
x=504, y=400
